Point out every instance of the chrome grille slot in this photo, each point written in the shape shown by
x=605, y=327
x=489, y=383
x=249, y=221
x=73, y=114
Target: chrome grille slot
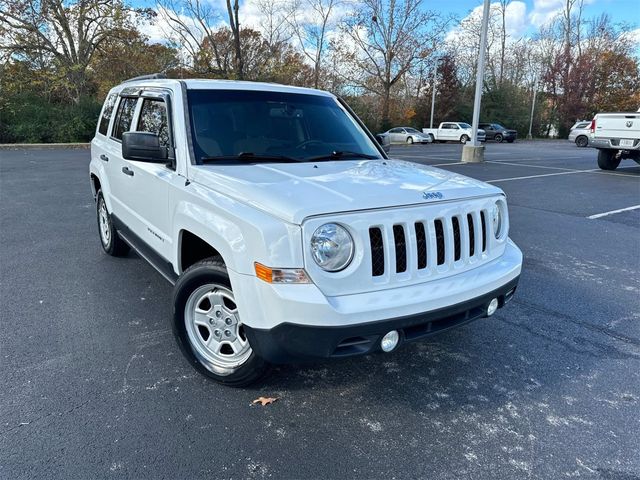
x=457, y=250
x=484, y=231
x=472, y=236
x=377, y=251
x=401, y=248
x=421, y=243
x=439, y=241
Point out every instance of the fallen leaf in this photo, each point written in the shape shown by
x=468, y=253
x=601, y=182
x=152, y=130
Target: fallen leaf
x=264, y=400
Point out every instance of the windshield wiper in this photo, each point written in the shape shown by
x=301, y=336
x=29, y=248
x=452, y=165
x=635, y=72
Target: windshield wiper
x=250, y=157
x=335, y=155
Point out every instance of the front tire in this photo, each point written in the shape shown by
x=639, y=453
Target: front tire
x=582, y=141
x=111, y=242
x=608, y=159
x=498, y=138
x=410, y=141
x=208, y=327
x=464, y=139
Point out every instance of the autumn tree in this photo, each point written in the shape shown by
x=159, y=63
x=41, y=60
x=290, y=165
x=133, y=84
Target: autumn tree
x=129, y=55
x=311, y=22
x=67, y=34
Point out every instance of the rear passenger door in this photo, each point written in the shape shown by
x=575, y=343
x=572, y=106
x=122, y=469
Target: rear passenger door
x=119, y=183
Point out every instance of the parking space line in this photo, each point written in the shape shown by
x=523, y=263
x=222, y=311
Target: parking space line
x=535, y=176
x=594, y=170
x=611, y=212
x=535, y=166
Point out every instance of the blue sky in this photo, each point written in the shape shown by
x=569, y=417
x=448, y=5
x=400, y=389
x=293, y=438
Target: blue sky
x=532, y=13
x=524, y=17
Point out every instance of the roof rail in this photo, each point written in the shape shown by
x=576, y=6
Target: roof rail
x=153, y=76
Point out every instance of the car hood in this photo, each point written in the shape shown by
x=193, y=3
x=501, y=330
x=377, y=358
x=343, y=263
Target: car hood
x=295, y=191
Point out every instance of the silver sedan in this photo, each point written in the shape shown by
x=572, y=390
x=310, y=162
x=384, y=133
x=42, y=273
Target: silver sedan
x=407, y=135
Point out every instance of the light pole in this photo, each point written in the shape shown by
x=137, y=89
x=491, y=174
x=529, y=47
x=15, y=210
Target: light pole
x=475, y=152
x=533, y=106
x=433, y=90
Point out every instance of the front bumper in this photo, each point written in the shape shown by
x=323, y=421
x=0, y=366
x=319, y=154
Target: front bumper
x=290, y=342
x=289, y=322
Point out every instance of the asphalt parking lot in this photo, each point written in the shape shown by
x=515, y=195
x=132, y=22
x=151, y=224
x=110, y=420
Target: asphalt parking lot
x=92, y=384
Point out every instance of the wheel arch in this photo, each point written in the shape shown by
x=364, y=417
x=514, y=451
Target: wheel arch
x=192, y=248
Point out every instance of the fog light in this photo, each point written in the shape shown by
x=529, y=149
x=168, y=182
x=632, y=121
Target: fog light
x=493, y=306
x=390, y=341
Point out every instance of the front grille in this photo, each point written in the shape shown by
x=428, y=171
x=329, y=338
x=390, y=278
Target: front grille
x=439, y=241
x=377, y=252
x=439, y=244
x=456, y=238
x=401, y=248
x=421, y=241
x=472, y=236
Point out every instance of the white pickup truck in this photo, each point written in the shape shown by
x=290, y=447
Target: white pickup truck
x=287, y=231
x=616, y=136
x=453, y=132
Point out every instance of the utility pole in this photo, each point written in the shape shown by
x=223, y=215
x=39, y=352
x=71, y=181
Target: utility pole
x=433, y=91
x=533, y=106
x=474, y=152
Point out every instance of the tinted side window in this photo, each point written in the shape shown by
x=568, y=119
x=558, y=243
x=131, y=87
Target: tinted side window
x=107, y=111
x=153, y=118
x=125, y=116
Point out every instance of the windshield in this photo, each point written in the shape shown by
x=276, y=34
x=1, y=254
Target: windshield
x=412, y=130
x=497, y=126
x=464, y=125
x=272, y=125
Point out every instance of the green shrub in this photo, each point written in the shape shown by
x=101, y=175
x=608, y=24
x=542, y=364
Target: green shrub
x=27, y=118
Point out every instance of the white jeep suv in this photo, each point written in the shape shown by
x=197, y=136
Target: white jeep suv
x=287, y=231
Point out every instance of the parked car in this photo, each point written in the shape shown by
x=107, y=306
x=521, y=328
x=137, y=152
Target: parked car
x=453, y=131
x=495, y=131
x=616, y=136
x=286, y=230
x=406, y=135
x=579, y=133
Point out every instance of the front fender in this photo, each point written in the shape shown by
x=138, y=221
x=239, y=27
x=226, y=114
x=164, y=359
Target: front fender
x=241, y=234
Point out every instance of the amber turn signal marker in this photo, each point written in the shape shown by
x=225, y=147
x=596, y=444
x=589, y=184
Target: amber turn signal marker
x=264, y=273
x=281, y=275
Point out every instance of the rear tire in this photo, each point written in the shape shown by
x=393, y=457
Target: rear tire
x=111, y=242
x=608, y=159
x=464, y=139
x=498, y=138
x=208, y=328
x=582, y=141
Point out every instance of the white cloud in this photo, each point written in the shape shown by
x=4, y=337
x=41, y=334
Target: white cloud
x=515, y=19
x=544, y=11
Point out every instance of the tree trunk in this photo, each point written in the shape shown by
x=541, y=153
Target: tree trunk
x=235, y=29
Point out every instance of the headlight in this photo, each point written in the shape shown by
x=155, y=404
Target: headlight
x=332, y=247
x=497, y=217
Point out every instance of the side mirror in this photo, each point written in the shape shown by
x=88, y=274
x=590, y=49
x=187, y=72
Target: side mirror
x=143, y=147
x=384, y=142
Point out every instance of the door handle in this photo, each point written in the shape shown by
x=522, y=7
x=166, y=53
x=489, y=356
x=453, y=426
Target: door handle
x=104, y=157
x=126, y=171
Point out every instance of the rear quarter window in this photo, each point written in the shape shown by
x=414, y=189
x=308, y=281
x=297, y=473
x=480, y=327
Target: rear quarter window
x=107, y=112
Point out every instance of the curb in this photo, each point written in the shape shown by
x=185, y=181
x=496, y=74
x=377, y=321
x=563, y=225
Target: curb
x=46, y=146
